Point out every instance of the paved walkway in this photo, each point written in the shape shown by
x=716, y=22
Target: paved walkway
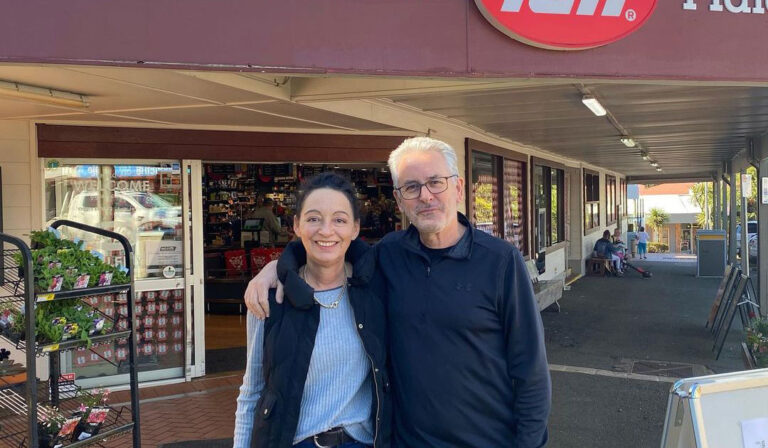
x=614, y=350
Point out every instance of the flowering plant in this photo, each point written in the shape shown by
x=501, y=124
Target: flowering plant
x=96, y=397
x=757, y=341
x=52, y=421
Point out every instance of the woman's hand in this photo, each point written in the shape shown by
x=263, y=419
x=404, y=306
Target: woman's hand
x=257, y=293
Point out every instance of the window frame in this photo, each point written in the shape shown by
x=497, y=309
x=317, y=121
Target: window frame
x=549, y=165
x=475, y=146
x=588, y=200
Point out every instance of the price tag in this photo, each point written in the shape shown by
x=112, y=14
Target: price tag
x=50, y=348
x=45, y=297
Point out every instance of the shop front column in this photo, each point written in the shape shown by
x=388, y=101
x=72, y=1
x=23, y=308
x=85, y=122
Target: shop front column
x=732, y=207
x=724, y=200
x=762, y=239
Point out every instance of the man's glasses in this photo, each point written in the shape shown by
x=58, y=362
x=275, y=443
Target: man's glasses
x=412, y=190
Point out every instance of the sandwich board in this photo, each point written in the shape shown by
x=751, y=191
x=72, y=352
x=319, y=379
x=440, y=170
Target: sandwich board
x=718, y=411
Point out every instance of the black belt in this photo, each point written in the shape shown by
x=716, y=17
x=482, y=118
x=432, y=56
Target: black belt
x=331, y=438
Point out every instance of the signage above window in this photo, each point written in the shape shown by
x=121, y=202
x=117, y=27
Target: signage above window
x=567, y=24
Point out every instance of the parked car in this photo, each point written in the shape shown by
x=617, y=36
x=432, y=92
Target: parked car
x=751, y=231
x=133, y=211
x=753, y=247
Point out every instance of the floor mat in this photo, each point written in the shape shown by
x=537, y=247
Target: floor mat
x=218, y=443
x=225, y=360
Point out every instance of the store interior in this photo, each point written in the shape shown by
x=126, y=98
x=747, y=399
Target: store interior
x=248, y=214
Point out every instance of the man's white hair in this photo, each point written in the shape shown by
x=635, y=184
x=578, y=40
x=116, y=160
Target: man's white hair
x=422, y=144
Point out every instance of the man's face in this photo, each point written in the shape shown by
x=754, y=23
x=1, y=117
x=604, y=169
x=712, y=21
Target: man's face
x=430, y=212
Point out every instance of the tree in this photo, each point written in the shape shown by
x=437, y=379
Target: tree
x=698, y=198
x=656, y=219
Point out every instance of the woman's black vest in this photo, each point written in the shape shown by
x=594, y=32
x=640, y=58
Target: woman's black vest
x=289, y=338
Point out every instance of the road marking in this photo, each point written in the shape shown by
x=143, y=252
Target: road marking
x=612, y=374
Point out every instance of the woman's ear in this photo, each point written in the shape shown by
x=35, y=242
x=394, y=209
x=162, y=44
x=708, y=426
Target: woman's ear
x=296, y=225
x=357, y=229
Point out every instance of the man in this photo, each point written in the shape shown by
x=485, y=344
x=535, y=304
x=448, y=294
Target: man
x=604, y=248
x=469, y=367
x=270, y=222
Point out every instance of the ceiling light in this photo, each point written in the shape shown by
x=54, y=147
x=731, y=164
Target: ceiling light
x=594, y=105
x=658, y=169
x=628, y=142
x=42, y=94
x=646, y=157
x=654, y=163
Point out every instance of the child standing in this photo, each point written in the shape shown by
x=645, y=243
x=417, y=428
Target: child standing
x=642, y=243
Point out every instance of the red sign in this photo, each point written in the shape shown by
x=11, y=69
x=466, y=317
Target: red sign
x=567, y=24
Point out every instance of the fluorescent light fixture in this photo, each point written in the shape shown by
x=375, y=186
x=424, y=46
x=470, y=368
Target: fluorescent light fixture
x=594, y=105
x=629, y=142
x=658, y=169
x=645, y=157
x=654, y=163
x=42, y=94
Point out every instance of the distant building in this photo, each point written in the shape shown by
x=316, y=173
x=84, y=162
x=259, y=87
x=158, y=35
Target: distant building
x=677, y=201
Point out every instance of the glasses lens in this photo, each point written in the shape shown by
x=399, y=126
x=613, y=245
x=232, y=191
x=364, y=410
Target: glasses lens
x=437, y=185
x=411, y=190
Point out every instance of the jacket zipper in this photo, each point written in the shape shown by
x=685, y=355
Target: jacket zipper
x=375, y=386
x=429, y=270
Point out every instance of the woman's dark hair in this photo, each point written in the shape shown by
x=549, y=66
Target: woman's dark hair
x=607, y=233
x=331, y=181
x=642, y=229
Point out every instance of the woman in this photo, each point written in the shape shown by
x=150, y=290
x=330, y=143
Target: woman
x=315, y=375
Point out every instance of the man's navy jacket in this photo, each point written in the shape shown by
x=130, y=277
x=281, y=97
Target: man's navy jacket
x=468, y=363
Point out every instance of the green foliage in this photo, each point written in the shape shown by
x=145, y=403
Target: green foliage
x=656, y=248
x=54, y=257
x=484, y=203
x=757, y=341
x=656, y=219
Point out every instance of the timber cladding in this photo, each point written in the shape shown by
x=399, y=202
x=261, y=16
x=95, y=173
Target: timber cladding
x=139, y=143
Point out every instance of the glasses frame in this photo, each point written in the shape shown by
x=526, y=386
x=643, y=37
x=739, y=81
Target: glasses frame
x=422, y=185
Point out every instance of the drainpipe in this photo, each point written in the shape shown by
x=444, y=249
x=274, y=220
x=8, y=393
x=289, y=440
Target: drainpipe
x=716, y=196
x=744, y=227
x=732, y=207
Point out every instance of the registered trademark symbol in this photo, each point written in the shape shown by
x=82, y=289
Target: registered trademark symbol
x=631, y=15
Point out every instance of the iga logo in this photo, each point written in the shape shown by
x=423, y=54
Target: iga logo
x=567, y=24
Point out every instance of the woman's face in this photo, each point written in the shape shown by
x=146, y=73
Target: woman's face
x=326, y=226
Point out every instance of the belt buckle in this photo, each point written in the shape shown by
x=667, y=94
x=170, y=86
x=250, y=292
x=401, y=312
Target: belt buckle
x=317, y=444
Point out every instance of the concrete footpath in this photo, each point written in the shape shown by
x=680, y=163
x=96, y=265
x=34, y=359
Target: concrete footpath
x=617, y=346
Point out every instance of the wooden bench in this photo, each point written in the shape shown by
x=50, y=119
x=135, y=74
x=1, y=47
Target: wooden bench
x=547, y=292
x=598, y=266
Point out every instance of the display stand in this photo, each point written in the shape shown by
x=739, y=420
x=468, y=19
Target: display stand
x=24, y=404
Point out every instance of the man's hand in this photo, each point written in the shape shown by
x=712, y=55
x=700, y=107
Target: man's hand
x=257, y=293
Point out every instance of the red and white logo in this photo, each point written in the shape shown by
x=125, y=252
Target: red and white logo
x=567, y=24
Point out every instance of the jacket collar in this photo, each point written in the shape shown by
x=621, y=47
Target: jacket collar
x=299, y=293
x=461, y=250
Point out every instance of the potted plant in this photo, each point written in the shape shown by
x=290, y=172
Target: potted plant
x=93, y=411
x=49, y=428
x=757, y=341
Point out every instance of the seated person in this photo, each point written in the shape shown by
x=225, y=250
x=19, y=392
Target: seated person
x=604, y=248
x=620, y=248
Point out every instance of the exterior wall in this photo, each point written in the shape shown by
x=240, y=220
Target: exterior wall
x=452, y=39
x=20, y=173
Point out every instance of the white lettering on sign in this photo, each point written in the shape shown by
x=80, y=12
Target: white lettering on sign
x=733, y=6
x=586, y=7
x=115, y=185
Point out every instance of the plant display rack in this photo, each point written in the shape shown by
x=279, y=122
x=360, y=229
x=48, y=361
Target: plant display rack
x=24, y=404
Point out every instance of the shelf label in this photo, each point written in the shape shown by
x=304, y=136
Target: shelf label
x=45, y=297
x=50, y=348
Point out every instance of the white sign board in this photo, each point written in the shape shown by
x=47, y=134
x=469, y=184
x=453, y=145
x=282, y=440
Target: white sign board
x=163, y=253
x=765, y=191
x=746, y=185
x=755, y=432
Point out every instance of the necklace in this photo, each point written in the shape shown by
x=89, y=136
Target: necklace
x=342, y=289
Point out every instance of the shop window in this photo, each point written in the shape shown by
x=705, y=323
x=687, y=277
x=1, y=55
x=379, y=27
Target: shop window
x=548, y=201
x=497, y=196
x=485, y=192
x=514, y=203
x=622, y=198
x=611, y=210
x=591, y=200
